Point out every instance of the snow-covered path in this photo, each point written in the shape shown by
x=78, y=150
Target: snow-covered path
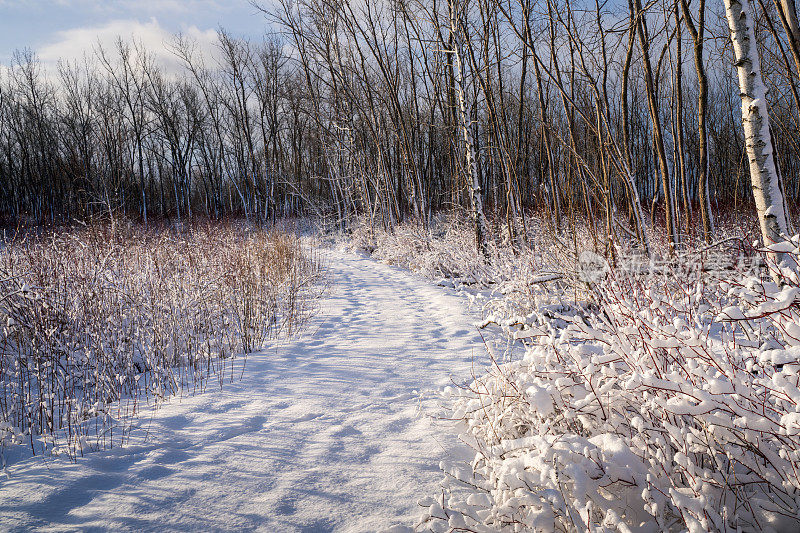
x=320, y=434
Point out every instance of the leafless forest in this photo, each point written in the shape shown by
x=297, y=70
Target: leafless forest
x=621, y=114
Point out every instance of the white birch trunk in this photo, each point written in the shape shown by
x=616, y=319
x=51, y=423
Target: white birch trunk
x=476, y=194
x=755, y=121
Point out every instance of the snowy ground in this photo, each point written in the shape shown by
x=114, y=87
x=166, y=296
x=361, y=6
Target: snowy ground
x=320, y=434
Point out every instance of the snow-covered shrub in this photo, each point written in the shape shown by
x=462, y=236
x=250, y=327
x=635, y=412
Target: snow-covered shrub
x=669, y=403
x=97, y=321
x=444, y=249
x=516, y=277
x=512, y=279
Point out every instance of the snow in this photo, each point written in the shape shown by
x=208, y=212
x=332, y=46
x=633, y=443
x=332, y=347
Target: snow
x=320, y=433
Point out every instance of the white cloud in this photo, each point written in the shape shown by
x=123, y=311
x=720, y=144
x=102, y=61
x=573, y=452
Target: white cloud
x=75, y=43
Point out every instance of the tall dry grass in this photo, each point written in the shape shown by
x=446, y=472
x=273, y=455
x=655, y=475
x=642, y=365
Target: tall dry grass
x=97, y=321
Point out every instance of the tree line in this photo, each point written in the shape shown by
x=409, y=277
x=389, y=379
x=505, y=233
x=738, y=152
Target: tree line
x=618, y=112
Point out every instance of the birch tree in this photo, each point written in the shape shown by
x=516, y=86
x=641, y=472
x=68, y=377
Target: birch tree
x=764, y=177
x=476, y=194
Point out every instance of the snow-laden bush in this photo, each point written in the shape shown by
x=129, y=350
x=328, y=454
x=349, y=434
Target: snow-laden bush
x=670, y=403
x=444, y=249
x=512, y=279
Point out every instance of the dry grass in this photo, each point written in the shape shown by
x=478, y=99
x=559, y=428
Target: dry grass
x=98, y=320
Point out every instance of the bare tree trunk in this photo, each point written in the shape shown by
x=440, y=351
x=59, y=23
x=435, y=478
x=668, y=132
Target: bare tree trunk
x=698, y=32
x=476, y=194
x=629, y=177
x=681, y=162
x=787, y=11
x=658, y=139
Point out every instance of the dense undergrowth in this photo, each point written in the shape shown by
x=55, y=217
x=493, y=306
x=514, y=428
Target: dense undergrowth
x=100, y=320
x=652, y=394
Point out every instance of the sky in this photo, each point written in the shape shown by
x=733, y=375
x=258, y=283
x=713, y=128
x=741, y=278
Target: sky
x=66, y=29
